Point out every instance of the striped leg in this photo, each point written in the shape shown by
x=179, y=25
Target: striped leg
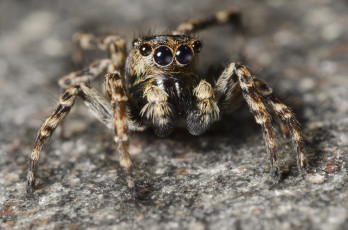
x=114, y=87
x=114, y=44
x=230, y=16
x=96, y=69
x=288, y=118
x=228, y=92
x=235, y=73
x=116, y=47
x=94, y=100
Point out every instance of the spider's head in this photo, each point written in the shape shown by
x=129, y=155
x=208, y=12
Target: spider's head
x=164, y=55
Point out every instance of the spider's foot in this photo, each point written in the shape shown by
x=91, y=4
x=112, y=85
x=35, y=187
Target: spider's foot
x=275, y=173
x=303, y=169
x=30, y=187
x=132, y=186
x=134, y=192
x=302, y=165
x=30, y=182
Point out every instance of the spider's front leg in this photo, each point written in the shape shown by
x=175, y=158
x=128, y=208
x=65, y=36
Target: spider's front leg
x=114, y=87
x=93, y=99
x=235, y=79
x=287, y=118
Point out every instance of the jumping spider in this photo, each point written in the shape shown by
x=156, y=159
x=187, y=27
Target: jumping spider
x=158, y=83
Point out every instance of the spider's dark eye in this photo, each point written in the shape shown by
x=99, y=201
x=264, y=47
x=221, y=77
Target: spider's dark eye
x=197, y=46
x=145, y=49
x=184, y=54
x=163, y=56
x=135, y=42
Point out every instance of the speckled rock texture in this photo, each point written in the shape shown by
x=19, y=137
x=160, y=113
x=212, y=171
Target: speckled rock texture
x=219, y=180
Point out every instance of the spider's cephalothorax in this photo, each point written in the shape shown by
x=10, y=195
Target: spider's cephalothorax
x=157, y=84
x=161, y=74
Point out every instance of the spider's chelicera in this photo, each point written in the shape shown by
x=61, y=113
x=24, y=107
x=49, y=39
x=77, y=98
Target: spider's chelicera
x=158, y=83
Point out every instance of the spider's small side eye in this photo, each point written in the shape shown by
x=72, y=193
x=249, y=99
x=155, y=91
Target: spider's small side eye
x=197, y=46
x=135, y=42
x=184, y=54
x=163, y=56
x=145, y=49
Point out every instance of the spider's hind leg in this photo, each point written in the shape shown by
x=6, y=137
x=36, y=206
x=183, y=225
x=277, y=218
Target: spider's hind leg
x=231, y=16
x=114, y=44
x=116, y=47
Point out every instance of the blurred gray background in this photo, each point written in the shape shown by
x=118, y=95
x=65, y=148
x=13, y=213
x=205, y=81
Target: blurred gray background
x=216, y=181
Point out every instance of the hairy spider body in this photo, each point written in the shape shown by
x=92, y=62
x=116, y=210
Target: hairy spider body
x=161, y=93
x=157, y=84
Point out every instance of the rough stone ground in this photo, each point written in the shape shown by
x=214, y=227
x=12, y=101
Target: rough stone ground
x=216, y=181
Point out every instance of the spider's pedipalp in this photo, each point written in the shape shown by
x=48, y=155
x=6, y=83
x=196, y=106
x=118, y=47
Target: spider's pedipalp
x=157, y=110
x=205, y=110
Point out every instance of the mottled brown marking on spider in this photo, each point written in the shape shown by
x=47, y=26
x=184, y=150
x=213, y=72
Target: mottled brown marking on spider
x=157, y=83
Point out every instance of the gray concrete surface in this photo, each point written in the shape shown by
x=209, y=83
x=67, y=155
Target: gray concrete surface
x=216, y=181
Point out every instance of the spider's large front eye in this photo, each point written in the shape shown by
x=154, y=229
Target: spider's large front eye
x=163, y=56
x=184, y=54
x=145, y=49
